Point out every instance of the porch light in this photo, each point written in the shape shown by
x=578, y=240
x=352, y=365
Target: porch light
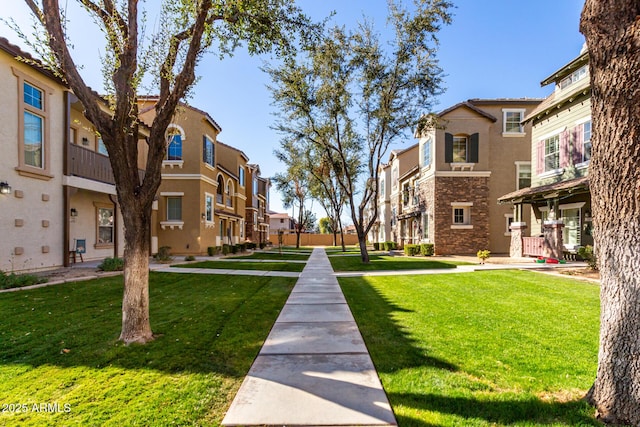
x=5, y=188
x=74, y=212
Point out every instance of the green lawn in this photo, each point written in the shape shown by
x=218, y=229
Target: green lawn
x=386, y=262
x=274, y=255
x=58, y=345
x=507, y=348
x=239, y=265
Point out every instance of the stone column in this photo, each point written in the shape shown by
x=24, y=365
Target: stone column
x=552, y=231
x=517, y=232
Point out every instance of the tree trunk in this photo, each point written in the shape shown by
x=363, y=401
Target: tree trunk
x=612, y=31
x=136, y=327
x=362, y=242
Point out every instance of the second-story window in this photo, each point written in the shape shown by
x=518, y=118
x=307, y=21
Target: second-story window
x=174, y=138
x=241, y=175
x=405, y=194
x=382, y=187
x=255, y=186
x=552, y=153
x=461, y=148
x=33, y=126
x=102, y=149
x=229, y=194
x=208, y=151
x=512, y=121
x=426, y=153
x=220, y=190
x=586, y=141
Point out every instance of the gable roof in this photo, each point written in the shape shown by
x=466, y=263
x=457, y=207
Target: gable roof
x=468, y=104
x=154, y=98
x=244, y=156
x=34, y=63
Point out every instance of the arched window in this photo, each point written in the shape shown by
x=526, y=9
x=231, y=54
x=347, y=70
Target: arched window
x=175, y=137
x=220, y=189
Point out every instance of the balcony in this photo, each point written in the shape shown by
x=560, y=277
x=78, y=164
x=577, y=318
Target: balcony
x=89, y=164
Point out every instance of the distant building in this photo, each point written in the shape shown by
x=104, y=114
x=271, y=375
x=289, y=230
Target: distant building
x=281, y=221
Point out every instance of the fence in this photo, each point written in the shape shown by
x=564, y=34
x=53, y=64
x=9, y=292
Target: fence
x=307, y=239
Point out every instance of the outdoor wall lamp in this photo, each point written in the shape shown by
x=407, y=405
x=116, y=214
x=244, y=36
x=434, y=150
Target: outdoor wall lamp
x=74, y=212
x=5, y=188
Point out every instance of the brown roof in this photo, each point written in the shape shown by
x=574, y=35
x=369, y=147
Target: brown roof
x=34, y=63
x=534, y=194
x=469, y=105
x=246, y=158
x=182, y=104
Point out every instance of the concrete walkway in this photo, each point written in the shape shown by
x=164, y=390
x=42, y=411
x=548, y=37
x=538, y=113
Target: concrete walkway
x=314, y=368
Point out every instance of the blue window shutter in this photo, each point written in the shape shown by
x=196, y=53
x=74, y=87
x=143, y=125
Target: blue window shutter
x=474, y=148
x=448, y=148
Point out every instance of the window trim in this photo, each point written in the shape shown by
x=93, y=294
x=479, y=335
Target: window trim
x=98, y=244
x=24, y=169
x=205, y=140
x=507, y=217
x=466, y=207
x=518, y=165
x=505, y=132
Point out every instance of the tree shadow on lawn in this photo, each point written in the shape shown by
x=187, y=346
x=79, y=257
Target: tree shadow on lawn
x=203, y=323
x=504, y=412
x=391, y=347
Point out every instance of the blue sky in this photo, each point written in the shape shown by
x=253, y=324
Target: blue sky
x=492, y=49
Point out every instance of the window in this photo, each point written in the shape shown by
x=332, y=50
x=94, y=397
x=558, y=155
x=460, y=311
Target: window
x=425, y=225
x=382, y=187
x=552, y=153
x=73, y=136
x=174, y=208
x=461, y=214
x=393, y=216
x=241, y=175
x=394, y=177
x=33, y=127
x=207, y=151
x=426, y=153
x=208, y=208
x=579, y=74
x=571, y=231
x=508, y=219
x=586, y=141
x=102, y=149
x=255, y=186
x=512, y=119
x=459, y=149
x=105, y=226
x=174, y=151
x=219, y=190
x=523, y=171
x=229, y=193
x=33, y=140
x=405, y=194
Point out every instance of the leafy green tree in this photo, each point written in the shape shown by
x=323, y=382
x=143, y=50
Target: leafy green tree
x=293, y=184
x=612, y=32
x=189, y=28
x=352, y=97
x=325, y=225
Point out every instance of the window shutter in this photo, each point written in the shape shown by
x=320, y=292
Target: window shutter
x=448, y=148
x=474, y=148
x=540, y=157
x=578, y=144
x=565, y=148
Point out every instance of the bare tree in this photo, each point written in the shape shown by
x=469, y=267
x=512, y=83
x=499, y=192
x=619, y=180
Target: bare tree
x=612, y=32
x=190, y=28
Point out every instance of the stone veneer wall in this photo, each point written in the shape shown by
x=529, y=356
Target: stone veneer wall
x=461, y=189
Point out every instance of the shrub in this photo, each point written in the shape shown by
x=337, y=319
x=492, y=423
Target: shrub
x=242, y=247
x=483, y=254
x=189, y=258
x=112, y=264
x=376, y=246
x=262, y=245
x=426, y=249
x=213, y=250
x=411, y=250
x=13, y=280
x=389, y=246
x=164, y=254
x=226, y=249
x=234, y=249
x=250, y=245
x=586, y=253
